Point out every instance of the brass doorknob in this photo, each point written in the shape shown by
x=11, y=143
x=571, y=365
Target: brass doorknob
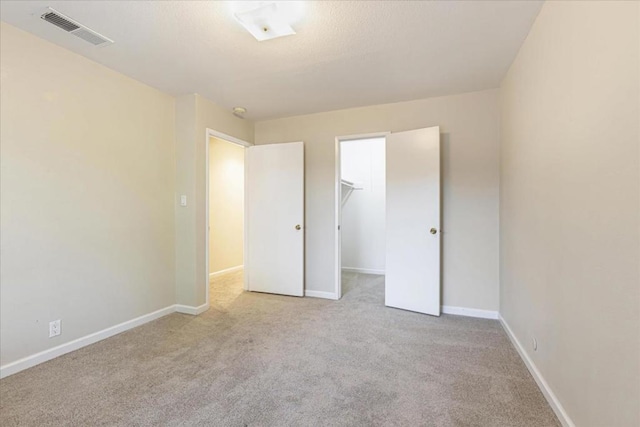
x=433, y=231
x=298, y=227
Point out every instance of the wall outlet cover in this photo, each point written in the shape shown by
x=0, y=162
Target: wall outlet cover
x=54, y=328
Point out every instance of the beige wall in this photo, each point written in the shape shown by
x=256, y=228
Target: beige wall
x=226, y=201
x=194, y=114
x=87, y=192
x=570, y=212
x=470, y=140
x=93, y=164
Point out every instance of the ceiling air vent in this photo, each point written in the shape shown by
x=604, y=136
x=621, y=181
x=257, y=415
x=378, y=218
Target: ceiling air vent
x=56, y=18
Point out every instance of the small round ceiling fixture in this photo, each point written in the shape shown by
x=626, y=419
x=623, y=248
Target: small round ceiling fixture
x=239, y=112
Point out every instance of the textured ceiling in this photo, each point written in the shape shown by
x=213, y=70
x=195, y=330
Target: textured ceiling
x=346, y=53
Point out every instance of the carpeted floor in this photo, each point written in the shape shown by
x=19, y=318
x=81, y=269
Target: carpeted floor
x=225, y=289
x=267, y=360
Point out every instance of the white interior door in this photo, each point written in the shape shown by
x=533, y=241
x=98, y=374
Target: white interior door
x=275, y=214
x=413, y=221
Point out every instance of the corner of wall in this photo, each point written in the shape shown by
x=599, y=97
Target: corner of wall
x=194, y=115
x=211, y=115
x=185, y=128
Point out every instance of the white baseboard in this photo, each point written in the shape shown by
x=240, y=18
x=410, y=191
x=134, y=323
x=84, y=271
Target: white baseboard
x=52, y=353
x=537, y=376
x=320, y=294
x=470, y=312
x=226, y=271
x=362, y=270
x=189, y=309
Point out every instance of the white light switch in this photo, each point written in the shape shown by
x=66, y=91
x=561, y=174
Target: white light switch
x=183, y=200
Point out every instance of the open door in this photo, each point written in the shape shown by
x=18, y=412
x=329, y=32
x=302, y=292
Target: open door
x=275, y=213
x=413, y=221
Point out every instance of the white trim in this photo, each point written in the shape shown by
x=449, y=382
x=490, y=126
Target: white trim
x=362, y=270
x=245, y=218
x=226, y=271
x=338, y=206
x=207, y=226
x=470, y=312
x=553, y=400
x=363, y=136
x=338, y=219
x=189, y=309
x=78, y=343
x=321, y=294
x=52, y=353
x=228, y=138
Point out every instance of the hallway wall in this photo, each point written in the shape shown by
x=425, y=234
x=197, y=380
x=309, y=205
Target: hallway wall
x=226, y=205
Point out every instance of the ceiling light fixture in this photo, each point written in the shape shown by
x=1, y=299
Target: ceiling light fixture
x=267, y=20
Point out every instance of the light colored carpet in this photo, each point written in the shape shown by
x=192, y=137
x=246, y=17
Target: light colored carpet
x=225, y=289
x=267, y=360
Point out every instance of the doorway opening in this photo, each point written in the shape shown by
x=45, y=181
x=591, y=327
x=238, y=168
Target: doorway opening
x=254, y=218
x=225, y=218
x=361, y=212
x=388, y=218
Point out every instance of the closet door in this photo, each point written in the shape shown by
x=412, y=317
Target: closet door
x=274, y=218
x=413, y=221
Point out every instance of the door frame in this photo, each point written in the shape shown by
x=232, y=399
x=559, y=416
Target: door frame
x=244, y=144
x=338, y=205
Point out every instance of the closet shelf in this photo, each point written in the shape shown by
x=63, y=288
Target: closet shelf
x=351, y=185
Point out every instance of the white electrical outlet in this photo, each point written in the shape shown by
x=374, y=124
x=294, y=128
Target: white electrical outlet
x=54, y=328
